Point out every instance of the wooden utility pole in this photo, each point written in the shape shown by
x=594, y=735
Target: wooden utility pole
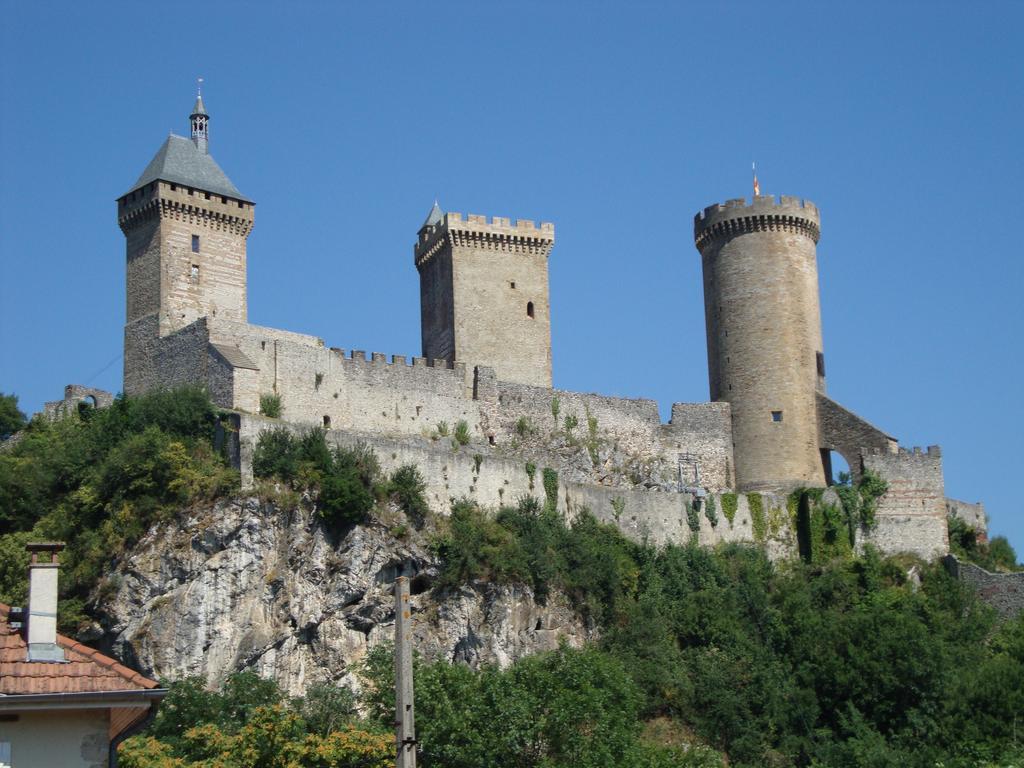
x=405, y=720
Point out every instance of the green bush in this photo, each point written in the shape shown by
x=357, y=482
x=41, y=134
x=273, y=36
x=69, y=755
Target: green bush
x=408, y=487
x=692, y=517
x=730, y=503
x=11, y=418
x=560, y=709
x=994, y=555
x=531, y=472
x=270, y=406
x=461, y=432
x=345, y=477
x=344, y=498
x=835, y=664
x=98, y=483
x=571, y=422
x=276, y=454
x=550, y=477
x=758, y=521
x=710, y=512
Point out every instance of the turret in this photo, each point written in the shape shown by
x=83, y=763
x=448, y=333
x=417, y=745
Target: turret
x=200, y=122
x=484, y=293
x=765, y=355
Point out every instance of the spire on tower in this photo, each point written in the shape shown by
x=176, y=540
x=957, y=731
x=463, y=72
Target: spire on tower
x=200, y=121
x=434, y=217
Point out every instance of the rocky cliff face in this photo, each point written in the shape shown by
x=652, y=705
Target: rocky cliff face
x=253, y=584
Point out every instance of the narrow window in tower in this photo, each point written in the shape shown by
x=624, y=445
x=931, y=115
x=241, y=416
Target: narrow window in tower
x=776, y=415
x=195, y=273
x=327, y=422
x=529, y=309
x=195, y=243
x=512, y=285
x=820, y=359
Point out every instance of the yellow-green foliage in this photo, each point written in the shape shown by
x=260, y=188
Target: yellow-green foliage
x=730, y=502
x=776, y=520
x=249, y=722
x=550, y=487
x=757, y=518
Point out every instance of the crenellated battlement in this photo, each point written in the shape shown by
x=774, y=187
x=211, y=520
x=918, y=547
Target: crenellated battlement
x=164, y=200
x=764, y=213
x=361, y=357
x=931, y=453
x=476, y=231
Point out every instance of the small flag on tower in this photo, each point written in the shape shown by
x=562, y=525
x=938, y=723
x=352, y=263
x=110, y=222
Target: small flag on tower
x=757, y=187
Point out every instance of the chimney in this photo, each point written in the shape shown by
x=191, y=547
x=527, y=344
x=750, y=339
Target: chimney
x=42, y=602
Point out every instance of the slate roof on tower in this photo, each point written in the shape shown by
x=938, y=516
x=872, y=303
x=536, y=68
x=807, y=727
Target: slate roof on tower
x=180, y=161
x=434, y=217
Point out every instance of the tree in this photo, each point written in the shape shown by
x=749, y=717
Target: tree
x=11, y=418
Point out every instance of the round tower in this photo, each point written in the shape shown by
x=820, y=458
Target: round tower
x=764, y=334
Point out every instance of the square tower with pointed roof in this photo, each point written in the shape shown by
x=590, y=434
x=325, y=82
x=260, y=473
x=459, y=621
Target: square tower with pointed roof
x=185, y=226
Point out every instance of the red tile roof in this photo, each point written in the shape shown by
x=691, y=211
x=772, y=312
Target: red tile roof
x=86, y=670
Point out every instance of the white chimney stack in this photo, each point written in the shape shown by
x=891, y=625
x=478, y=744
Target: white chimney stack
x=42, y=602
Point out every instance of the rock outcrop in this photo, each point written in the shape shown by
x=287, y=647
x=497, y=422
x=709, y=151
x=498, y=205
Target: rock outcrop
x=254, y=584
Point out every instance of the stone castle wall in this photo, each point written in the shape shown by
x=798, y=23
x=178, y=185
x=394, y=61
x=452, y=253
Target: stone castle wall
x=74, y=396
x=911, y=516
x=1002, y=591
x=373, y=394
x=972, y=514
x=484, y=474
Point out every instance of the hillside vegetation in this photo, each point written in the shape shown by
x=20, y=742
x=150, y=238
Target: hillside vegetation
x=705, y=658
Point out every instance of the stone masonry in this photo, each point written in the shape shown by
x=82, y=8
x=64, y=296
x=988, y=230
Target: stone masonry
x=484, y=294
x=486, y=361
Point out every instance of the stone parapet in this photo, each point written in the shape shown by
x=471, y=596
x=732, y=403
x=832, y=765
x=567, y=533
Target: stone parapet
x=763, y=214
x=1002, y=591
x=162, y=200
x=475, y=231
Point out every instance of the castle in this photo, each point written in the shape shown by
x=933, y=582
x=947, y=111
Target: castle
x=486, y=344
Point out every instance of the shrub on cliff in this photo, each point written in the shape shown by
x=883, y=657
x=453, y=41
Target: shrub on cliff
x=993, y=555
x=344, y=477
x=839, y=663
x=407, y=487
x=99, y=482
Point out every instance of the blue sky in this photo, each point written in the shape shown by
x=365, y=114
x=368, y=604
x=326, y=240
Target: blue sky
x=617, y=122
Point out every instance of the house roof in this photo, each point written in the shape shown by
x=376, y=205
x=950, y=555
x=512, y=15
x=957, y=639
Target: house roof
x=85, y=671
x=180, y=161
